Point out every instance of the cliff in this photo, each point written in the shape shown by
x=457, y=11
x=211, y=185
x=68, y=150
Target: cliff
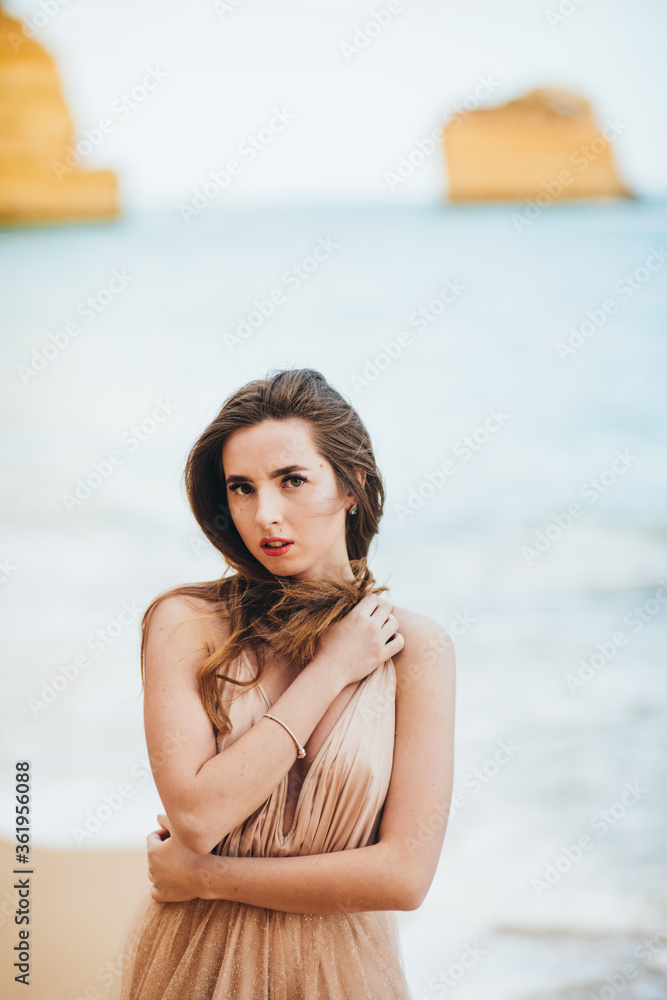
x=41, y=179
x=545, y=143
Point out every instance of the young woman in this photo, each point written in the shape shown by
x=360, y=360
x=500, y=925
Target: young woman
x=299, y=726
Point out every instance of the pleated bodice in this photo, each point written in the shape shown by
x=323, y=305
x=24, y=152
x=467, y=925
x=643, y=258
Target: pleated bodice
x=340, y=800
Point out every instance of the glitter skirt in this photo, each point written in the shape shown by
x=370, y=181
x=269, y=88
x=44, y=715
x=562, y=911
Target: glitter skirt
x=222, y=950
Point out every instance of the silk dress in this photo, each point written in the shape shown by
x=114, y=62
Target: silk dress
x=224, y=950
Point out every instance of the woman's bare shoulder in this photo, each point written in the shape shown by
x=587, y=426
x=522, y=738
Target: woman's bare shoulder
x=426, y=640
x=416, y=622
x=205, y=617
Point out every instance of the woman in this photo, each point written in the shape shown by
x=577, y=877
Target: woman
x=299, y=726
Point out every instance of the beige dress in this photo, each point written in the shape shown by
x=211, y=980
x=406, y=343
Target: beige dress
x=223, y=950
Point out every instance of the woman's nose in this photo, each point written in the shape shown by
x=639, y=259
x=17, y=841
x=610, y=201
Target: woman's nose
x=268, y=508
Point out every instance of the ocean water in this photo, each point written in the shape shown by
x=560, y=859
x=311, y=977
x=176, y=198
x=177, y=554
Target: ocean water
x=512, y=376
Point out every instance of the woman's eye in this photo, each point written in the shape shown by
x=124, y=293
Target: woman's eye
x=293, y=481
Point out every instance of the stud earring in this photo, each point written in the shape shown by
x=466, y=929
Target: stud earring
x=353, y=510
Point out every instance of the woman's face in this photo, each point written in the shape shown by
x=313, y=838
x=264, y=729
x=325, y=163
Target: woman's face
x=278, y=485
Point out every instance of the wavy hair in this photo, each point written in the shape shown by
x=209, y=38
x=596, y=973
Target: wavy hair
x=266, y=612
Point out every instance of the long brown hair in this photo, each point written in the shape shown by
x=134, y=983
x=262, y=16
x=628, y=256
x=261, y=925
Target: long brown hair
x=264, y=611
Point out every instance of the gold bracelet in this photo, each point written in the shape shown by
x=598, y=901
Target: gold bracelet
x=300, y=752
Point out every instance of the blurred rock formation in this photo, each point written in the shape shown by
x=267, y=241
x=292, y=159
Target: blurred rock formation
x=41, y=178
x=544, y=143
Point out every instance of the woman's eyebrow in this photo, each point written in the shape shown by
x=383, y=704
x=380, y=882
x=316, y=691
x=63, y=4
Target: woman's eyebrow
x=277, y=472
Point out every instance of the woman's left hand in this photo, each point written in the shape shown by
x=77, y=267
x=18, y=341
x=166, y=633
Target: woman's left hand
x=172, y=869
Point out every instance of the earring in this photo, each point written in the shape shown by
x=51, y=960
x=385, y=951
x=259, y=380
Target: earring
x=353, y=510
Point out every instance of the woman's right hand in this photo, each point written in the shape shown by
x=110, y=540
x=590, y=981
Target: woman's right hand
x=361, y=641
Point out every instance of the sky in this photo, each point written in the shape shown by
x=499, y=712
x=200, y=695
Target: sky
x=317, y=101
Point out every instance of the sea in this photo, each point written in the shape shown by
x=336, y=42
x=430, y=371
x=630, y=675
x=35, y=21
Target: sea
x=509, y=362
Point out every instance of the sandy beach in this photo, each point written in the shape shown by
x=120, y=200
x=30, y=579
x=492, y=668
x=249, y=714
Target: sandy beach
x=80, y=904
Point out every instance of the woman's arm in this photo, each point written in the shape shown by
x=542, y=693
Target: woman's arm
x=339, y=882
x=395, y=873
x=206, y=793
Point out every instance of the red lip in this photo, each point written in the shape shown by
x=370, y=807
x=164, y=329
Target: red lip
x=279, y=551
